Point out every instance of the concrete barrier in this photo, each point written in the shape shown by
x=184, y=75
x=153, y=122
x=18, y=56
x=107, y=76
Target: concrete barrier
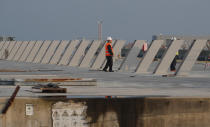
x=34, y=51
x=50, y=52
x=59, y=52
x=2, y=52
x=21, y=50
x=168, y=57
x=27, y=51
x=191, y=57
x=90, y=54
x=149, y=56
x=79, y=54
x=43, y=49
x=131, y=59
x=14, y=50
x=69, y=52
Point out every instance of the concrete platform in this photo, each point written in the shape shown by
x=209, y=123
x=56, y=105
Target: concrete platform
x=119, y=84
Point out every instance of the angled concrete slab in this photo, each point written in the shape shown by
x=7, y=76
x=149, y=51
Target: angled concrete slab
x=149, y=56
x=191, y=57
x=20, y=51
x=69, y=52
x=42, y=51
x=90, y=53
x=27, y=51
x=168, y=57
x=14, y=50
x=11, y=45
x=2, y=44
x=34, y=51
x=2, y=52
x=80, y=53
x=50, y=52
x=99, y=61
x=131, y=59
x=59, y=52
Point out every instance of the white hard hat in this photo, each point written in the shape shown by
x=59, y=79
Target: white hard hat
x=109, y=38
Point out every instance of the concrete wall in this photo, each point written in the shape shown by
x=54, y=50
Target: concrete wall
x=139, y=112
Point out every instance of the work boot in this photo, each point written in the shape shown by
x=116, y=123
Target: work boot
x=105, y=70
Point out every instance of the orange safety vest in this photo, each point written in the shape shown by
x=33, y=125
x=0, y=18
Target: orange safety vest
x=106, y=49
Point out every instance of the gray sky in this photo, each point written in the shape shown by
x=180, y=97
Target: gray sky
x=122, y=19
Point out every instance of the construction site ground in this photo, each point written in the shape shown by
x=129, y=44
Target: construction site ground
x=116, y=84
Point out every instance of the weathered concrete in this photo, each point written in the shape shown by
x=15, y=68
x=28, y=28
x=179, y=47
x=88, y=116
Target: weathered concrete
x=68, y=52
x=191, y=57
x=131, y=59
x=2, y=44
x=21, y=50
x=149, y=56
x=2, y=52
x=27, y=51
x=34, y=51
x=79, y=54
x=14, y=50
x=90, y=53
x=59, y=52
x=43, y=49
x=11, y=45
x=50, y=52
x=168, y=57
x=133, y=112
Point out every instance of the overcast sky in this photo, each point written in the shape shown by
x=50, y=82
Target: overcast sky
x=122, y=19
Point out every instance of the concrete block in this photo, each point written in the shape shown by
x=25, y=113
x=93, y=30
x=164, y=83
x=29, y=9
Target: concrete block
x=11, y=45
x=191, y=57
x=27, y=51
x=90, y=53
x=131, y=59
x=69, y=52
x=100, y=59
x=2, y=52
x=20, y=51
x=168, y=57
x=14, y=50
x=59, y=52
x=2, y=44
x=34, y=51
x=43, y=49
x=149, y=56
x=80, y=53
x=50, y=52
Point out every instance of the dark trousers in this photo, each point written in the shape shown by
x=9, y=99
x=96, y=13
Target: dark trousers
x=173, y=64
x=109, y=63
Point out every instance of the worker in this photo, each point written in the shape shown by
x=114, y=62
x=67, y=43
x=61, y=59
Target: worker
x=109, y=54
x=173, y=64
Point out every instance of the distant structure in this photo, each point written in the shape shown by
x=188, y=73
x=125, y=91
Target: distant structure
x=188, y=39
x=5, y=38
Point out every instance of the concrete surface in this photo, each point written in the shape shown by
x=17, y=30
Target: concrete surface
x=115, y=83
x=90, y=54
x=191, y=57
x=34, y=51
